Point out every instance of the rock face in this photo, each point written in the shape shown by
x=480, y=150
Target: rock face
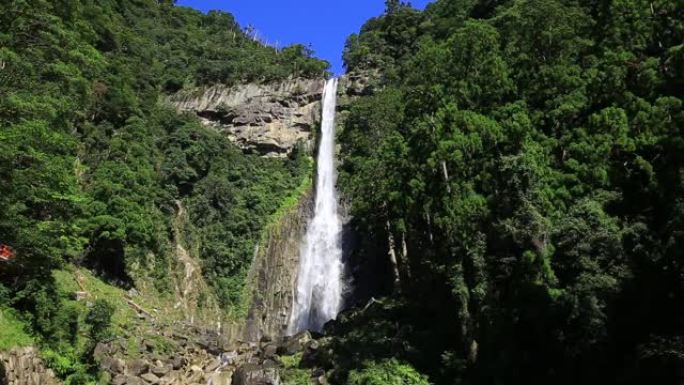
x=193, y=292
x=269, y=119
x=274, y=273
x=253, y=374
x=23, y=366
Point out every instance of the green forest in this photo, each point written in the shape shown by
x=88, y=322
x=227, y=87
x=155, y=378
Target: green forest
x=91, y=162
x=524, y=162
x=514, y=176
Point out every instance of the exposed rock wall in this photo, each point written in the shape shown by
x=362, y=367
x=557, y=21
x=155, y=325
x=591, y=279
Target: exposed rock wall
x=23, y=366
x=274, y=273
x=269, y=119
x=194, y=295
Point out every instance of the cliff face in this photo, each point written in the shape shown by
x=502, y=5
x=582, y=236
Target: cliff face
x=23, y=366
x=274, y=273
x=276, y=263
x=269, y=119
x=272, y=118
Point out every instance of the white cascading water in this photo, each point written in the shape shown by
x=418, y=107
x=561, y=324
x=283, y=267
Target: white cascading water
x=320, y=284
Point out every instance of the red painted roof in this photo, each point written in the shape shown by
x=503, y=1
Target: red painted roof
x=6, y=253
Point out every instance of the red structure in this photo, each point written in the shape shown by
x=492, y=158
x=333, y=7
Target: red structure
x=6, y=254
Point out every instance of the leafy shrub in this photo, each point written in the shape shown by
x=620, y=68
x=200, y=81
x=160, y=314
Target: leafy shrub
x=99, y=318
x=389, y=372
x=291, y=373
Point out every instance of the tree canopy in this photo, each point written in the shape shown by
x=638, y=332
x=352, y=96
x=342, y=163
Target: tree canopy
x=92, y=163
x=524, y=161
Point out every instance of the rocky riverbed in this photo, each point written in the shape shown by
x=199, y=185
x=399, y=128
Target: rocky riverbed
x=200, y=360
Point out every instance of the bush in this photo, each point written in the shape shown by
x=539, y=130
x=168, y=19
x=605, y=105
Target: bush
x=100, y=319
x=389, y=372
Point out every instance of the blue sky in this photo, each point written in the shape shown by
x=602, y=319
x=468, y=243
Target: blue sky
x=324, y=24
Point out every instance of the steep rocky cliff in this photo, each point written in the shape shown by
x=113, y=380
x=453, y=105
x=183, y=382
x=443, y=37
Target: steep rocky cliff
x=269, y=119
x=274, y=272
x=275, y=266
x=23, y=366
x=272, y=118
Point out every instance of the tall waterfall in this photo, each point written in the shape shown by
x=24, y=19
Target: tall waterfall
x=320, y=283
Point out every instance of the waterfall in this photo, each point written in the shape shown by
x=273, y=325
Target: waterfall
x=320, y=285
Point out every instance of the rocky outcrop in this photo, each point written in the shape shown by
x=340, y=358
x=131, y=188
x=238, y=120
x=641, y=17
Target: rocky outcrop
x=23, y=366
x=269, y=119
x=274, y=273
x=354, y=85
x=194, y=295
x=194, y=356
x=254, y=374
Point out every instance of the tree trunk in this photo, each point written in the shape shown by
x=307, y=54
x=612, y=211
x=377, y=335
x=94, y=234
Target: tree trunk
x=428, y=219
x=446, y=176
x=404, y=257
x=393, y=257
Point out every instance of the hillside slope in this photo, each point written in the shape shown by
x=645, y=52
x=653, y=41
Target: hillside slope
x=520, y=164
x=101, y=176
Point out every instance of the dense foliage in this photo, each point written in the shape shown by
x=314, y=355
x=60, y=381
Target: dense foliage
x=523, y=163
x=93, y=165
x=389, y=372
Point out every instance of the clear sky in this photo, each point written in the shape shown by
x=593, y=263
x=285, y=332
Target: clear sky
x=323, y=24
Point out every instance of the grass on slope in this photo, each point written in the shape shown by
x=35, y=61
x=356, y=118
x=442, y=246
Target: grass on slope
x=12, y=333
x=125, y=315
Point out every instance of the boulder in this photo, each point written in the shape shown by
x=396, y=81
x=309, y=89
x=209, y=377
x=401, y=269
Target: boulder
x=178, y=362
x=119, y=379
x=220, y=378
x=161, y=370
x=316, y=352
x=228, y=358
x=127, y=380
x=195, y=377
x=150, y=378
x=252, y=374
x=137, y=367
x=270, y=350
x=312, y=345
x=294, y=344
x=171, y=377
x=113, y=365
x=213, y=365
x=101, y=351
